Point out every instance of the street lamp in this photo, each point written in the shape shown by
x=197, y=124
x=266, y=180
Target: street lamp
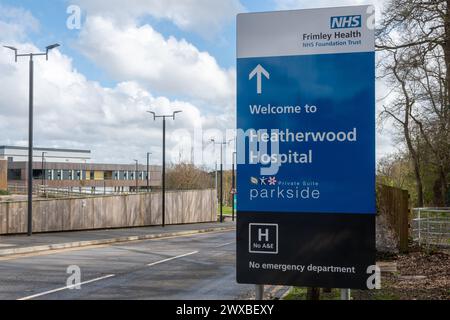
x=164, y=117
x=136, y=174
x=221, y=174
x=30, y=127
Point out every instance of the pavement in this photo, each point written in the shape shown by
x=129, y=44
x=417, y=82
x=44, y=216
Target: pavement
x=22, y=244
x=197, y=266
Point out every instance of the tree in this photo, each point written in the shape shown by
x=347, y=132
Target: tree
x=394, y=170
x=397, y=71
x=415, y=42
x=185, y=176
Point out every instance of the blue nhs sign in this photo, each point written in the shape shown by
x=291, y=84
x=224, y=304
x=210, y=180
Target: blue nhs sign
x=345, y=22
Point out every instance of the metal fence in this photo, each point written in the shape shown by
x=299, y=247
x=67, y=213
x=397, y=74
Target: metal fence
x=62, y=192
x=431, y=226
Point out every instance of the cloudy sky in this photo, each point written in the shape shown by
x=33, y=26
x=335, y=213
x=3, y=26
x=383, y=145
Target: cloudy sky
x=127, y=57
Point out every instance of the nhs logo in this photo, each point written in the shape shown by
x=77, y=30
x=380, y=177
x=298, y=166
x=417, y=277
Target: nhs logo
x=345, y=22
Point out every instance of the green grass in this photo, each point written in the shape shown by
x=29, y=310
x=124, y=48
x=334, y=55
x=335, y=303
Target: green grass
x=226, y=211
x=4, y=193
x=296, y=294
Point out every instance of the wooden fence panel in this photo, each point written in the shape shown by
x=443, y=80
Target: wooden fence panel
x=394, y=202
x=3, y=219
x=156, y=209
x=17, y=220
x=104, y=212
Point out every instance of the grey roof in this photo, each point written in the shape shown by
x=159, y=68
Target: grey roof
x=46, y=149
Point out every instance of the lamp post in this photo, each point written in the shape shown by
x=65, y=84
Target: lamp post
x=221, y=175
x=148, y=171
x=136, y=174
x=164, y=117
x=30, y=127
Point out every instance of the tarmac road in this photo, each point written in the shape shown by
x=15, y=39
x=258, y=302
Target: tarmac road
x=194, y=267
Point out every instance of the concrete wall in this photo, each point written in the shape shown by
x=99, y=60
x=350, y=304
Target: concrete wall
x=3, y=174
x=109, y=212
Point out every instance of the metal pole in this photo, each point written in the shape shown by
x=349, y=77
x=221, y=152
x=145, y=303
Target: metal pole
x=215, y=181
x=164, y=175
x=221, y=183
x=30, y=130
x=259, y=292
x=43, y=171
x=30, y=152
x=345, y=294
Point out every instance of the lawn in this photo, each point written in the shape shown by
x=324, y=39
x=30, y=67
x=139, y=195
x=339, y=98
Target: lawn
x=226, y=211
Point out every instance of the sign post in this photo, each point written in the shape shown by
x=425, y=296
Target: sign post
x=306, y=147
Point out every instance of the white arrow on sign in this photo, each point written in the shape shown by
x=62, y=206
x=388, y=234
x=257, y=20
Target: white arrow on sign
x=259, y=71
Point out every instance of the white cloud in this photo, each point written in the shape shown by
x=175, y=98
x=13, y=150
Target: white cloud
x=206, y=17
x=168, y=66
x=73, y=112
x=16, y=22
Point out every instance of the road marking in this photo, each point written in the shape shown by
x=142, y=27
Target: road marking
x=225, y=244
x=173, y=258
x=66, y=287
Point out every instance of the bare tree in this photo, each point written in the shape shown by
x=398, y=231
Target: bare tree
x=415, y=40
x=393, y=170
x=186, y=176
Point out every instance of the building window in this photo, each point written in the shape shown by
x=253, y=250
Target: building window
x=14, y=174
x=67, y=175
x=10, y=159
x=92, y=175
x=108, y=175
